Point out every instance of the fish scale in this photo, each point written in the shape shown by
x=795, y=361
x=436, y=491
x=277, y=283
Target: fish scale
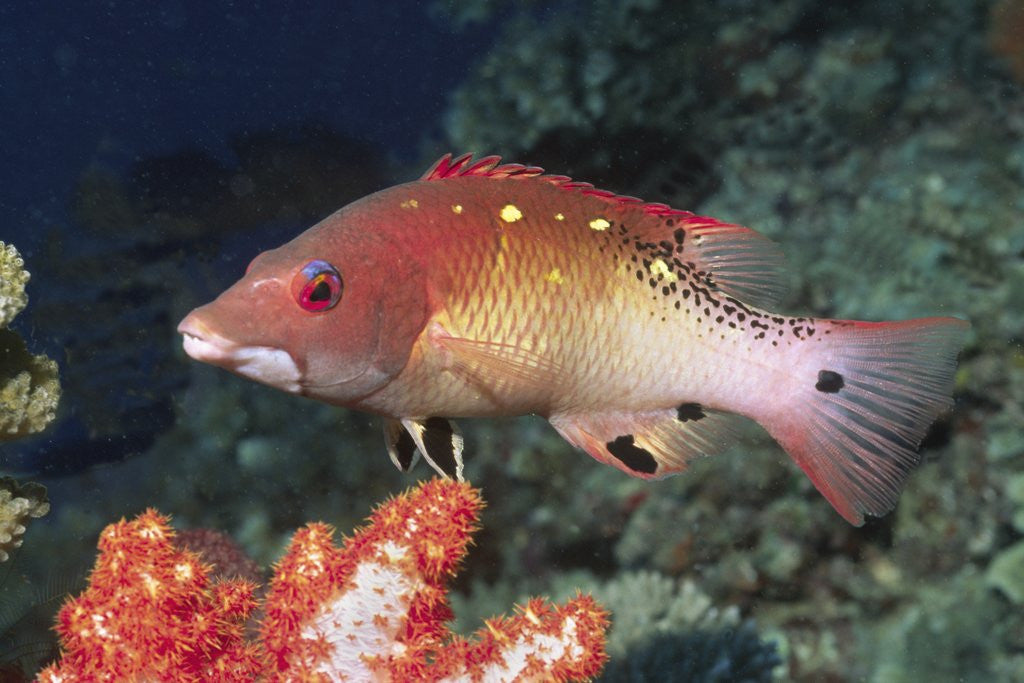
x=643, y=333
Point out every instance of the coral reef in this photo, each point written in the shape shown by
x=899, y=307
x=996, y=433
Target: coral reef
x=372, y=608
x=18, y=504
x=887, y=163
x=701, y=656
x=13, y=278
x=29, y=388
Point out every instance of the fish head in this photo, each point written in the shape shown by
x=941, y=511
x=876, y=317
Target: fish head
x=332, y=315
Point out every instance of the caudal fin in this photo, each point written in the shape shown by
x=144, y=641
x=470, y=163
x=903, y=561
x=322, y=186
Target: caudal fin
x=856, y=429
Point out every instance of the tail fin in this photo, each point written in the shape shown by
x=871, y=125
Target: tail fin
x=856, y=429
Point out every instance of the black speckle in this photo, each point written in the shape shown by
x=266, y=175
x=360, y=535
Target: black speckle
x=666, y=245
x=670, y=222
x=680, y=235
x=686, y=294
x=640, y=275
x=829, y=382
x=677, y=305
x=719, y=319
x=631, y=455
x=690, y=412
x=666, y=291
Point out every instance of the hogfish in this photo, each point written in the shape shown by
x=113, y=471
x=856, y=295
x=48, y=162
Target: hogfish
x=641, y=332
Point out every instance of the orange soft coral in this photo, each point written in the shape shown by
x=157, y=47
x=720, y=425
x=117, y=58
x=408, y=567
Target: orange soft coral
x=151, y=614
x=374, y=608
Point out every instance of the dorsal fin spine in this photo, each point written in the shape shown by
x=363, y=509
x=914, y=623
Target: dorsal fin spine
x=491, y=167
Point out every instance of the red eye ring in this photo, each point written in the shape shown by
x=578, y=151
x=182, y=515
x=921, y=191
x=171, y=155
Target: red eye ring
x=317, y=286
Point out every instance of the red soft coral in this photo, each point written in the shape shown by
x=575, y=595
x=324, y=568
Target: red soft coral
x=373, y=609
x=150, y=613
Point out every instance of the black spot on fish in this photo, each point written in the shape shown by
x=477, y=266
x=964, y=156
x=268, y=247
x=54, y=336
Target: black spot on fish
x=631, y=455
x=405, y=448
x=666, y=291
x=666, y=245
x=690, y=412
x=679, y=234
x=797, y=330
x=719, y=319
x=438, y=439
x=677, y=305
x=729, y=309
x=829, y=382
x=670, y=222
x=686, y=293
x=640, y=275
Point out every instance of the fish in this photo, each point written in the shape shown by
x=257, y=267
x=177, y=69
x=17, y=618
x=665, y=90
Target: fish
x=644, y=334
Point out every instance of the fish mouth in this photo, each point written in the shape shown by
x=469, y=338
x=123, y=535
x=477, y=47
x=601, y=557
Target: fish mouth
x=265, y=364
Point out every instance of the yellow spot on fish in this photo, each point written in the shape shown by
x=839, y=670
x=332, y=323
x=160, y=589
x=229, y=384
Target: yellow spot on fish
x=510, y=214
x=599, y=224
x=410, y=204
x=659, y=268
x=504, y=242
x=456, y=208
x=555, y=276
x=559, y=217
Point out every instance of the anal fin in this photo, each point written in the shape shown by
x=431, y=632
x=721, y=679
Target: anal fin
x=653, y=444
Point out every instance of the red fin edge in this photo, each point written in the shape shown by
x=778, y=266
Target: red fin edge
x=491, y=167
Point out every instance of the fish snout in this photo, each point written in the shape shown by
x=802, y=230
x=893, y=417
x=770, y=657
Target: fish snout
x=265, y=364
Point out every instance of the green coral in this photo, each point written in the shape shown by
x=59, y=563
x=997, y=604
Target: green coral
x=29, y=388
x=18, y=503
x=13, y=278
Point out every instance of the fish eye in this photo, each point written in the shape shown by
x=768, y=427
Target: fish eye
x=317, y=286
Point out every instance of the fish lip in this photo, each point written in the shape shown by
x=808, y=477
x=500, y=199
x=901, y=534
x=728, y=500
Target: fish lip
x=265, y=364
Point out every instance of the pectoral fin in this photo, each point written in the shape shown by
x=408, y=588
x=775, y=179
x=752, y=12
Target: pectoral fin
x=435, y=438
x=502, y=371
x=649, y=445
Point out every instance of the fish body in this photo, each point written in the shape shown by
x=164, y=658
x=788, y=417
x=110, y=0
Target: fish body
x=639, y=331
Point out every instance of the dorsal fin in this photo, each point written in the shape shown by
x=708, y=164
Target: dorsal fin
x=741, y=262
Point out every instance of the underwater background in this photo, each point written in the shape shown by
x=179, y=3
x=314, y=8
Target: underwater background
x=150, y=151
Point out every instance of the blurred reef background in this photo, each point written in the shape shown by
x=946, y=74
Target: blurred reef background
x=151, y=152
